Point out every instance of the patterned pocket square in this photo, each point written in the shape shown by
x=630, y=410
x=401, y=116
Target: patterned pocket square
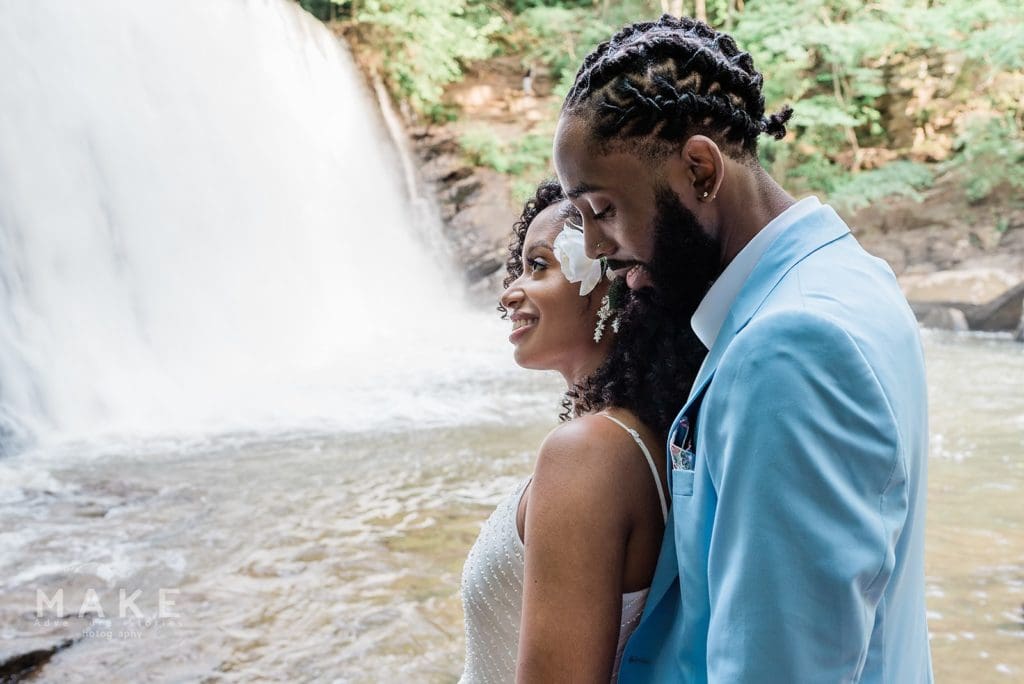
x=680, y=446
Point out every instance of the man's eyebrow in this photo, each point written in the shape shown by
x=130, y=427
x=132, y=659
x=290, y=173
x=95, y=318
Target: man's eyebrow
x=582, y=189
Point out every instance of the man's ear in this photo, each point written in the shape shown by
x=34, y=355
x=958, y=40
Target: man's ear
x=696, y=170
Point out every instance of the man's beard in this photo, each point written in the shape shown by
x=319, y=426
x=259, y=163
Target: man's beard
x=657, y=341
x=685, y=260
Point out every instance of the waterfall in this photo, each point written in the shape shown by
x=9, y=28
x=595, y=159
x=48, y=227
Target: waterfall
x=203, y=227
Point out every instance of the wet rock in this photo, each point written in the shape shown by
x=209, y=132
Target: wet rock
x=1019, y=334
x=463, y=192
x=945, y=231
x=458, y=174
x=971, y=286
x=474, y=203
x=483, y=268
x=1002, y=314
x=32, y=641
x=940, y=317
x=14, y=667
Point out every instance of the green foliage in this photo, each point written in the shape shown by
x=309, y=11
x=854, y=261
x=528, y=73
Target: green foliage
x=321, y=9
x=900, y=178
x=558, y=35
x=519, y=6
x=899, y=75
x=991, y=153
x=529, y=153
x=813, y=172
x=843, y=63
x=419, y=46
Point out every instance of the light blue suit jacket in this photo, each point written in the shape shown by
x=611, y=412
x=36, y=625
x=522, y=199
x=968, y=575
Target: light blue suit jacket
x=794, y=550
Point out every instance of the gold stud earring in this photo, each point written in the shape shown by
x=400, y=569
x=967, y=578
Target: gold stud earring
x=705, y=195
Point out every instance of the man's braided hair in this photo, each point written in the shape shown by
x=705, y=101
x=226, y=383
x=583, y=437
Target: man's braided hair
x=671, y=79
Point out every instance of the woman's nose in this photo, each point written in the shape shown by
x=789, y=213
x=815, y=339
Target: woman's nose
x=512, y=297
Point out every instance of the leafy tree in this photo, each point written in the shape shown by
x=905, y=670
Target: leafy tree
x=842, y=63
x=870, y=82
x=422, y=44
x=991, y=153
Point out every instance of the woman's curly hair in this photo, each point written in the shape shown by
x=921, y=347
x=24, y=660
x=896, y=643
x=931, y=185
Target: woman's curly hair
x=655, y=356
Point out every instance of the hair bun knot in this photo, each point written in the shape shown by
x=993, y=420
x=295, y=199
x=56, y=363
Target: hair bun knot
x=775, y=125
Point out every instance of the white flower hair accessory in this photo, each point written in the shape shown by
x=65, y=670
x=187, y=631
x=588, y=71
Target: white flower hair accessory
x=577, y=267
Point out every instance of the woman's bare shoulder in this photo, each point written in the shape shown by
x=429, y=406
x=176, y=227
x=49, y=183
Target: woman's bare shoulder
x=584, y=438
x=578, y=483
x=590, y=454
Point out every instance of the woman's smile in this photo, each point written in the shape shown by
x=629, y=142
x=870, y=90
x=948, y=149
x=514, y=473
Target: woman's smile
x=521, y=323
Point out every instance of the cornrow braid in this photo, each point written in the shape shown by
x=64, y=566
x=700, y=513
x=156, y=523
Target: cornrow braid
x=672, y=78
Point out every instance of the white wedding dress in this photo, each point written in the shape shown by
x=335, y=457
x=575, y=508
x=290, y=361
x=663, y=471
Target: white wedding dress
x=492, y=591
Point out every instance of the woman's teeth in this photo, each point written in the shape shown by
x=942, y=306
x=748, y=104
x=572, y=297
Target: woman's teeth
x=522, y=323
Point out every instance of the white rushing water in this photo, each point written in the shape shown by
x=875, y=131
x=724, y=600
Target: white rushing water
x=204, y=228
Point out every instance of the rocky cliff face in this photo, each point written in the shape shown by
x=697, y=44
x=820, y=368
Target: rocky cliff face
x=478, y=204
x=476, y=207
x=960, y=264
x=952, y=256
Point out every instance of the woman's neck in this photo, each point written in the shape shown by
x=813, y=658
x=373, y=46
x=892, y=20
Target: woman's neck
x=576, y=375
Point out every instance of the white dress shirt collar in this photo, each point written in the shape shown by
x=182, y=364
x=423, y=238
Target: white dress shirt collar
x=707, y=321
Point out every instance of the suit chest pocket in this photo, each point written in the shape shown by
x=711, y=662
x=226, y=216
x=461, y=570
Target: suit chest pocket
x=682, y=483
x=682, y=452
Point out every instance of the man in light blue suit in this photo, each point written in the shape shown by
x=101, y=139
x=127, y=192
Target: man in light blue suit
x=794, y=549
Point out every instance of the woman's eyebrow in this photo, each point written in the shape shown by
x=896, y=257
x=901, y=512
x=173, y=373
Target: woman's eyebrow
x=539, y=244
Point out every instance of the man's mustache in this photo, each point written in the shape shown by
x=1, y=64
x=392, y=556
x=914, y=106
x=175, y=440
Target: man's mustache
x=615, y=264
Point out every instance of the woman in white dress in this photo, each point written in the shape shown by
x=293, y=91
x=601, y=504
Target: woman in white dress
x=557, y=579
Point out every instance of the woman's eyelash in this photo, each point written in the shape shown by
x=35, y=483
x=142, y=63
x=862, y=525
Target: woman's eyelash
x=604, y=214
x=536, y=264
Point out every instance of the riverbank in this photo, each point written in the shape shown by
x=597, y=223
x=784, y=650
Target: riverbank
x=960, y=262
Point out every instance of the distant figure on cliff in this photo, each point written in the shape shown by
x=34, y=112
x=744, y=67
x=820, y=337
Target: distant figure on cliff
x=566, y=560
x=794, y=550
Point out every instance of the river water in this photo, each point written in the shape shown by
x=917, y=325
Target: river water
x=248, y=430
x=338, y=554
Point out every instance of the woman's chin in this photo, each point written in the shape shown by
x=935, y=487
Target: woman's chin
x=524, y=359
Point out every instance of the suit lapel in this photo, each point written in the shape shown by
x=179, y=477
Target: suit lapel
x=803, y=238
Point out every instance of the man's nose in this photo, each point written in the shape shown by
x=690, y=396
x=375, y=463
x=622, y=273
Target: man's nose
x=596, y=242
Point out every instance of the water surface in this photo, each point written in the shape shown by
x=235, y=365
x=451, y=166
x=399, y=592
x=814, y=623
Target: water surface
x=310, y=555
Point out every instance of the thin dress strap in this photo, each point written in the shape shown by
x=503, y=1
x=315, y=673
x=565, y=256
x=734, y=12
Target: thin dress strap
x=650, y=462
